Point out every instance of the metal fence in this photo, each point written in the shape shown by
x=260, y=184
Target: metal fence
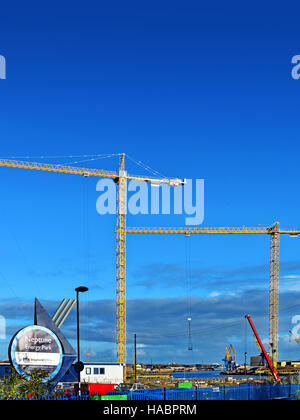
x=242, y=392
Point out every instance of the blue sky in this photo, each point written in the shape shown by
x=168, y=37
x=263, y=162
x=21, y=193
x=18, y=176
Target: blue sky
x=193, y=89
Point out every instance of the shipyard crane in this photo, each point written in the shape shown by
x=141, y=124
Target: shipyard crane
x=234, y=358
x=230, y=363
x=227, y=358
x=121, y=178
x=274, y=232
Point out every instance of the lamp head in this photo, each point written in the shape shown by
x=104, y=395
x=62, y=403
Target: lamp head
x=81, y=289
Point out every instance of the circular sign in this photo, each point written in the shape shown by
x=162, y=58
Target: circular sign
x=36, y=348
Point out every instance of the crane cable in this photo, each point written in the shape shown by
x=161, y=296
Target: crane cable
x=188, y=289
x=146, y=167
x=87, y=249
x=246, y=343
x=100, y=156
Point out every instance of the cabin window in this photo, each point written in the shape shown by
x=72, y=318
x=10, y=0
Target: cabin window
x=88, y=371
x=102, y=371
x=96, y=371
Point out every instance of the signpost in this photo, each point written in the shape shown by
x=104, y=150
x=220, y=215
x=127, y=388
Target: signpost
x=42, y=347
x=36, y=348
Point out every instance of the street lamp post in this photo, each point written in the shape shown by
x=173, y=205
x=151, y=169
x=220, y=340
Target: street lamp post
x=79, y=364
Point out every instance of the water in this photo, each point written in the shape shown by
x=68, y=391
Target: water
x=209, y=374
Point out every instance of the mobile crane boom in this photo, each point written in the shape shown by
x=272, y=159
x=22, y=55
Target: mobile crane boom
x=271, y=367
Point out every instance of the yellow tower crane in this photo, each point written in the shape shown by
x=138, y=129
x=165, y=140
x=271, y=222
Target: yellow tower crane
x=274, y=233
x=121, y=179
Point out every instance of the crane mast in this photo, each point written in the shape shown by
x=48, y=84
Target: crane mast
x=121, y=265
x=274, y=295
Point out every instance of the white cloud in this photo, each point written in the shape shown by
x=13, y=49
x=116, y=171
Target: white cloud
x=214, y=294
x=291, y=283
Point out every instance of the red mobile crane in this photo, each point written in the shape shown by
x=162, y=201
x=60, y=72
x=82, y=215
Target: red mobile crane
x=271, y=367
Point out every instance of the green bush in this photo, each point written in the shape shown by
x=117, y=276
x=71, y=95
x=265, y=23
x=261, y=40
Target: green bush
x=17, y=386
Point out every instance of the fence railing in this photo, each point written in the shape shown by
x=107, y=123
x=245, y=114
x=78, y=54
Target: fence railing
x=242, y=392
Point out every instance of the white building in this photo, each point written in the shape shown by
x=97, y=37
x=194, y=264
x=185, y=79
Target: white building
x=102, y=373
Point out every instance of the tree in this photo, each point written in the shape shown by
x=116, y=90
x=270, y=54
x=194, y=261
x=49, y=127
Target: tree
x=17, y=386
